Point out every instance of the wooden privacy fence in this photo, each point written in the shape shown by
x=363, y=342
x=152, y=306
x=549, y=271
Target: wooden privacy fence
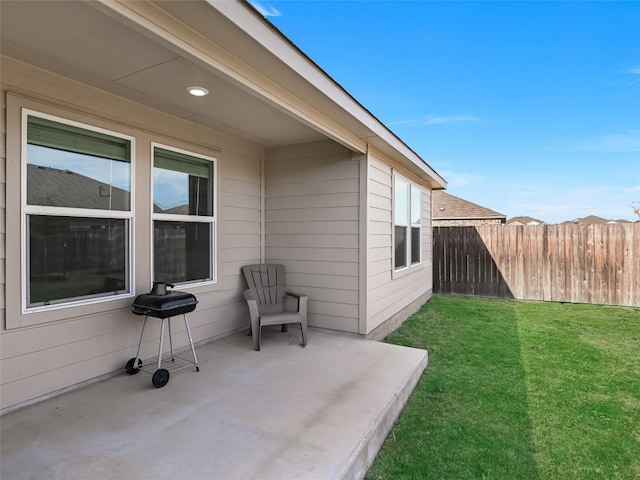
x=598, y=264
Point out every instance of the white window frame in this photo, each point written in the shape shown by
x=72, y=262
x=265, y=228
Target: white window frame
x=414, y=188
x=212, y=220
x=27, y=210
x=409, y=225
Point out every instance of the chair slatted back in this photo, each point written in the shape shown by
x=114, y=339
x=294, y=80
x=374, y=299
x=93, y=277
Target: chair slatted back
x=266, y=283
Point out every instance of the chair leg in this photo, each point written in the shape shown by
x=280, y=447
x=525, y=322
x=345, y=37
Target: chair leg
x=303, y=328
x=255, y=332
x=285, y=327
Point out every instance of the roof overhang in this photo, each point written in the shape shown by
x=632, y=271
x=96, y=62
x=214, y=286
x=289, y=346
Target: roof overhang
x=262, y=87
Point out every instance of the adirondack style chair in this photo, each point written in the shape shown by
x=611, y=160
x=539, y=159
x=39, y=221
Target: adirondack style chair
x=269, y=301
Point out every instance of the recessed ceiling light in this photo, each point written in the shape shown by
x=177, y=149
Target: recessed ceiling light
x=198, y=91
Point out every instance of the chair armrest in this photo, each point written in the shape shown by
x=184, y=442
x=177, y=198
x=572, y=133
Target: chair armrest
x=302, y=300
x=293, y=294
x=252, y=303
x=247, y=295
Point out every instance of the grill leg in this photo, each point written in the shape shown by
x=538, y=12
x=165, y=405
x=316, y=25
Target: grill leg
x=161, y=339
x=193, y=350
x=170, y=340
x=144, y=324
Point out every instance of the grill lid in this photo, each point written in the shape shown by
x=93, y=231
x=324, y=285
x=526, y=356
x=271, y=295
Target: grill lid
x=166, y=305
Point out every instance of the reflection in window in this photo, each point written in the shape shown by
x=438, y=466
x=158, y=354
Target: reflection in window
x=183, y=227
x=416, y=213
x=74, y=258
x=70, y=169
x=400, y=247
x=407, y=218
x=415, y=245
x=181, y=184
x=401, y=221
x=181, y=251
x=416, y=225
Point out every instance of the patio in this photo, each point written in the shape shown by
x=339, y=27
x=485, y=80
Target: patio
x=321, y=412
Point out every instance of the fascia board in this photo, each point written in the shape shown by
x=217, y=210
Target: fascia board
x=420, y=169
x=266, y=34
x=488, y=217
x=282, y=48
x=156, y=23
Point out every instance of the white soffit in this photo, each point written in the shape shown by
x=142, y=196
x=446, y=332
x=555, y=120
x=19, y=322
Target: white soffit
x=109, y=52
x=262, y=87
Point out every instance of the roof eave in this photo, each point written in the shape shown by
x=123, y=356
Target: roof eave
x=249, y=19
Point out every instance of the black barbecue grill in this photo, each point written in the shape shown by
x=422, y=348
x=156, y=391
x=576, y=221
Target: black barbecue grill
x=162, y=303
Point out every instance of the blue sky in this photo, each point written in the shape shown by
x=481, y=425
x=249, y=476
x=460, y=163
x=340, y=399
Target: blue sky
x=527, y=108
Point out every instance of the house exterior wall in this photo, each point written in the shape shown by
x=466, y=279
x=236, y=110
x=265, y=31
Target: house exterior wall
x=312, y=210
x=392, y=296
x=51, y=351
x=3, y=197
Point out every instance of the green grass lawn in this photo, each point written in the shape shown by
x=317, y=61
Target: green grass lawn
x=519, y=390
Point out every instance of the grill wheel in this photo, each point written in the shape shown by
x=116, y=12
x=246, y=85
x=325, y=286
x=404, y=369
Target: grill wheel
x=160, y=378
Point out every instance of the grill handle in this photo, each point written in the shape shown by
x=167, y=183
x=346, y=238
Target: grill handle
x=160, y=288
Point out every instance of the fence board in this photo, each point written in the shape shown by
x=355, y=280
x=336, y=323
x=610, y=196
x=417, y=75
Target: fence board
x=597, y=264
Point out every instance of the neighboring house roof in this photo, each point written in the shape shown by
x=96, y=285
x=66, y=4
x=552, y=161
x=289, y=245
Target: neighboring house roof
x=445, y=206
x=54, y=187
x=590, y=220
x=262, y=87
x=524, y=220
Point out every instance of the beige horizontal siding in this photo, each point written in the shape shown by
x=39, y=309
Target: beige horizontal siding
x=379, y=267
x=322, y=267
x=314, y=254
x=381, y=218
x=332, y=295
x=239, y=200
x=312, y=227
x=322, y=187
x=382, y=240
x=239, y=227
x=304, y=280
x=3, y=204
x=380, y=253
x=326, y=214
x=335, y=200
x=427, y=239
x=313, y=241
x=342, y=227
x=389, y=292
x=240, y=240
x=78, y=344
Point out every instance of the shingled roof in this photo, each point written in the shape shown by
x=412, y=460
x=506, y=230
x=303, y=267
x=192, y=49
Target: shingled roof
x=524, y=220
x=591, y=220
x=449, y=207
x=55, y=187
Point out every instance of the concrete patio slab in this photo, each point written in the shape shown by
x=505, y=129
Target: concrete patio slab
x=320, y=412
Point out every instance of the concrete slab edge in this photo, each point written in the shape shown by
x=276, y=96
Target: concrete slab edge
x=394, y=322
x=366, y=451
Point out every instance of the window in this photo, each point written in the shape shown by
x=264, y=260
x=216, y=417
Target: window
x=183, y=216
x=77, y=212
x=407, y=218
x=416, y=225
